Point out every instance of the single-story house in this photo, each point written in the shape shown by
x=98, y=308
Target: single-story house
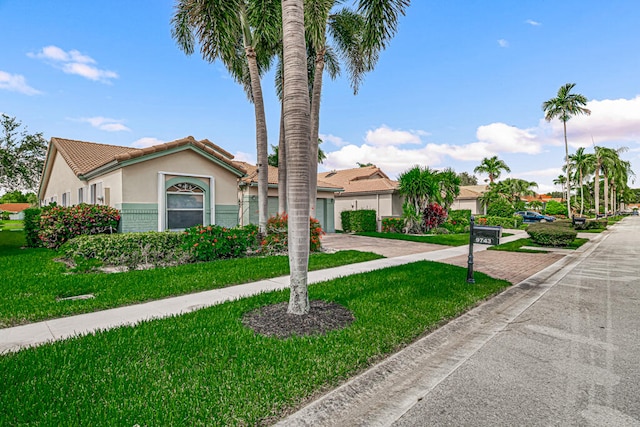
x=248, y=197
x=168, y=186
x=364, y=188
x=542, y=198
x=469, y=198
x=15, y=210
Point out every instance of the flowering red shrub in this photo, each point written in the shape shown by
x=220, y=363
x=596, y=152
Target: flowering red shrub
x=59, y=223
x=277, y=238
x=392, y=225
x=434, y=216
x=209, y=242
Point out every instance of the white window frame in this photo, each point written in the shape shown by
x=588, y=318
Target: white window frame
x=162, y=196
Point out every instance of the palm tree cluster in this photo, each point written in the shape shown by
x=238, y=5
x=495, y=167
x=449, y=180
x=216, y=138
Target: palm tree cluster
x=605, y=168
x=511, y=189
x=422, y=186
x=304, y=36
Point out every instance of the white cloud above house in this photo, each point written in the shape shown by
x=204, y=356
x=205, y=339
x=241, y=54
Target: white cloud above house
x=16, y=83
x=74, y=62
x=146, y=142
x=395, y=150
x=104, y=123
x=533, y=23
x=503, y=43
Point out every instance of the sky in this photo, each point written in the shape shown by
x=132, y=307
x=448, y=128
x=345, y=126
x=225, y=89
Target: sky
x=460, y=81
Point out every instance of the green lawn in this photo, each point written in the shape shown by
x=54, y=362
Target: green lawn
x=206, y=368
x=11, y=224
x=33, y=282
x=439, y=239
x=516, y=246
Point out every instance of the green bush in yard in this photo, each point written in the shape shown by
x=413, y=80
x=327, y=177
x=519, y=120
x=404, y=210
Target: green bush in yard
x=501, y=208
x=392, y=225
x=362, y=220
x=550, y=234
x=504, y=222
x=554, y=208
x=32, y=227
x=59, y=223
x=457, y=220
x=592, y=224
x=210, y=242
x=129, y=249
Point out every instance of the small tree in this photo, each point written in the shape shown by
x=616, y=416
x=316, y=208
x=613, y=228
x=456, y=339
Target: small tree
x=21, y=155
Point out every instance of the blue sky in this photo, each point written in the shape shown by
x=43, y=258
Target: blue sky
x=462, y=80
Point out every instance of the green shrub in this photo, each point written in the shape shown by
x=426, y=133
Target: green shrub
x=32, y=227
x=392, y=225
x=277, y=239
x=504, y=222
x=59, y=224
x=501, y=208
x=440, y=230
x=458, y=220
x=592, y=224
x=555, y=208
x=210, y=242
x=4, y=216
x=550, y=234
x=129, y=249
x=361, y=220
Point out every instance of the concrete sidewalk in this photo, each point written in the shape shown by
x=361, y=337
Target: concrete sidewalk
x=16, y=338
x=559, y=348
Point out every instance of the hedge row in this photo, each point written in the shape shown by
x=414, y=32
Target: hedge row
x=361, y=220
x=510, y=222
x=552, y=234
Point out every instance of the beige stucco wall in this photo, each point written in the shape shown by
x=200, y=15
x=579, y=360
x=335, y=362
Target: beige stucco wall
x=472, y=204
x=141, y=179
x=111, y=181
x=383, y=204
x=61, y=180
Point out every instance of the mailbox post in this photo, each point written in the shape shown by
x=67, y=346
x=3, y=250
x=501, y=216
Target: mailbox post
x=483, y=234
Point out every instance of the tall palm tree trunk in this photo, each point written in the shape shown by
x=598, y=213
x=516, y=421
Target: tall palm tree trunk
x=596, y=188
x=297, y=130
x=282, y=166
x=261, y=138
x=606, y=192
x=581, y=193
x=315, y=130
x=566, y=158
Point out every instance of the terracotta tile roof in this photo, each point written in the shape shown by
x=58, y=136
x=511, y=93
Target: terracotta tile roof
x=368, y=179
x=471, y=191
x=84, y=157
x=252, y=176
x=14, y=207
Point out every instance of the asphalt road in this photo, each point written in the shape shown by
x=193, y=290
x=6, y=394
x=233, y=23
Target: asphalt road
x=571, y=358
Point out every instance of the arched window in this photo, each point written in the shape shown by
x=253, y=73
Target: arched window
x=185, y=206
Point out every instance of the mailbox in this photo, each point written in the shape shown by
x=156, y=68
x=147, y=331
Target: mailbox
x=487, y=235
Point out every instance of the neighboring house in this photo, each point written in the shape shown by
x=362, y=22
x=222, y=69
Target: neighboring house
x=168, y=186
x=248, y=197
x=15, y=210
x=543, y=198
x=364, y=188
x=469, y=198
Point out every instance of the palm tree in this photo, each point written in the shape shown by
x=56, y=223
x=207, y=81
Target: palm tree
x=297, y=128
x=449, y=187
x=561, y=180
x=564, y=106
x=493, y=167
x=419, y=186
x=583, y=163
x=381, y=23
x=605, y=160
x=242, y=34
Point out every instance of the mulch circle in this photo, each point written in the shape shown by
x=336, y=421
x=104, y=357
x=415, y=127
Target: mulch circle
x=273, y=320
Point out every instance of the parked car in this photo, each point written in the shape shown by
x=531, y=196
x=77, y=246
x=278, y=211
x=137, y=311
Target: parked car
x=528, y=216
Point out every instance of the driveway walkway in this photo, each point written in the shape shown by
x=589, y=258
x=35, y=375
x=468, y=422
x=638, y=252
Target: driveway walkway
x=560, y=348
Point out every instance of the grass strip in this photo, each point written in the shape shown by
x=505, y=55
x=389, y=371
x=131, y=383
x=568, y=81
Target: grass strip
x=438, y=239
x=516, y=246
x=34, y=282
x=206, y=368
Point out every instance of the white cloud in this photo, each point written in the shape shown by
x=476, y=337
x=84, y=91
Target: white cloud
x=611, y=120
x=503, y=43
x=16, y=83
x=532, y=22
x=384, y=136
x=104, y=123
x=245, y=157
x=335, y=140
x=146, y=142
x=74, y=62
